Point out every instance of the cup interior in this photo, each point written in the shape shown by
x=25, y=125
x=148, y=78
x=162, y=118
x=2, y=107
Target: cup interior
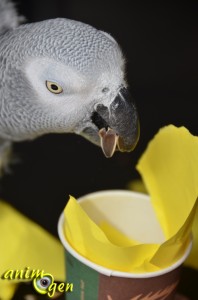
x=131, y=213
x=139, y=216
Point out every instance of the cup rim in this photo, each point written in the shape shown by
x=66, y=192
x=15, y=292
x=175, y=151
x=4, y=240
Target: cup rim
x=106, y=271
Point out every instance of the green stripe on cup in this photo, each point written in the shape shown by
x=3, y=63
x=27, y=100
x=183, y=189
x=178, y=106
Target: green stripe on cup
x=85, y=280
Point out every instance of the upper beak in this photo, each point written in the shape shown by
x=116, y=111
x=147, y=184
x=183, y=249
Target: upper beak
x=118, y=125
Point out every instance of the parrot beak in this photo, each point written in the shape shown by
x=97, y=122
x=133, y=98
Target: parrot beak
x=118, y=125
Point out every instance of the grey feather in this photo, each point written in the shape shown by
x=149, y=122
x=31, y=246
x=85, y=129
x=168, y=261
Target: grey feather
x=8, y=16
x=78, y=46
x=88, y=65
x=9, y=19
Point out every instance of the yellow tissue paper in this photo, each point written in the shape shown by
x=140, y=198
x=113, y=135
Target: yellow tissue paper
x=90, y=240
x=192, y=260
x=7, y=289
x=26, y=244
x=169, y=168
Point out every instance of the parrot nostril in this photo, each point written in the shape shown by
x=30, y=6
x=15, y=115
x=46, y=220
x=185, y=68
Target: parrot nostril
x=99, y=121
x=105, y=90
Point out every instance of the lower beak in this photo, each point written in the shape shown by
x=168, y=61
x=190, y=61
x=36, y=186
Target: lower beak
x=118, y=125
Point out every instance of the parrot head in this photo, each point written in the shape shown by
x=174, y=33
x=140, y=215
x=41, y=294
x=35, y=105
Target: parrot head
x=62, y=76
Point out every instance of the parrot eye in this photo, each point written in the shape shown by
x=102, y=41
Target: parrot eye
x=53, y=87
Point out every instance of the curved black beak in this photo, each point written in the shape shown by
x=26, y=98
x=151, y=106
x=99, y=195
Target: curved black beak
x=121, y=118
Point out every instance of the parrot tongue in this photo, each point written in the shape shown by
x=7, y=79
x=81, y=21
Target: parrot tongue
x=108, y=141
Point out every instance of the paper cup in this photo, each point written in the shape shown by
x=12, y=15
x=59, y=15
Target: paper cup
x=95, y=282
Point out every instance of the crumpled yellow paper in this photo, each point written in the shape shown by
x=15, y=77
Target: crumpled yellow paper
x=169, y=168
x=26, y=244
x=192, y=260
x=90, y=240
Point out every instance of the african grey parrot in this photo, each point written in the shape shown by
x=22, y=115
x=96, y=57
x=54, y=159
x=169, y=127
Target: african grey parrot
x=61, y=76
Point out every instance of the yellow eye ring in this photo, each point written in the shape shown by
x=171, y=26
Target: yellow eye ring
x=54, y=87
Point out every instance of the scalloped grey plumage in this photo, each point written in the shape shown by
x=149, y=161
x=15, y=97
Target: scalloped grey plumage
x=85, y=60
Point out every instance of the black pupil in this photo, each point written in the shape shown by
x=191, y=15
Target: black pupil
x=54, y=87
x=44, y=282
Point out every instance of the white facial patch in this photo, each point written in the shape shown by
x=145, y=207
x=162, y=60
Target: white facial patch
x=41, y=70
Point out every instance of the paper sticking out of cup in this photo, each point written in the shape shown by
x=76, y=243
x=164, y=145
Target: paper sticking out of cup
x=108, y=250
x=169, y=169
x=114, y=234
x=143, y=237
x=115, y=229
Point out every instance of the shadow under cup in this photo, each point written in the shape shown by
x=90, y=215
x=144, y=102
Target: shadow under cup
x=94, y=282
